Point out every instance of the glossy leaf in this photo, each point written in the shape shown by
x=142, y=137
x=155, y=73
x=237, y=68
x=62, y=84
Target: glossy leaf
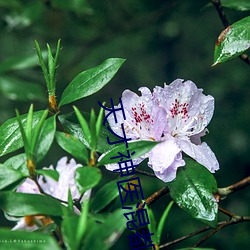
x=10, y=136
x=87, y=177
x=139, y=147
x=106, y=195
x=37, y=133
x=90, y=81
x=18, y=162
x=233, y=41
x=70, y=123
x=105, y=235
x=19, y=90
x=46, y=137
x=84, y=125
x=73, y=146
x=9, y=175
x=16, y=240
x=20, y=204
x=53, y=174
x=193, y=191
x=241, y=5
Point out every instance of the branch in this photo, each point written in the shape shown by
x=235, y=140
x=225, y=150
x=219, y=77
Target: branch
x=224, y=192
x=235, y=220
x=155, y=196
x=145, y=173
x=204, y=229
x=226, y=23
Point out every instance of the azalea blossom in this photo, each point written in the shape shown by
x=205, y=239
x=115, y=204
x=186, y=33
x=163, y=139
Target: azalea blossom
x=177, y=115
x=58, y=189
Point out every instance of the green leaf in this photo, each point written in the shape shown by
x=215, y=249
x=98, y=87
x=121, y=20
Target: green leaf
x=92, y=125
x=19, y=90
x=82, y=223
x=106, y=195
x=69, y=230
x=241, y=5
x=28, y=127
x=162, y=222
x=42, y=64
x=22, y=131
x=84, y=125
x=37, y=131
x=233, y=41
x=139, y=147
x=46, y=138
x=8, y=176
x=74, y=228
x=73, y=146
x=90, y=81
x=193, y=191
x=70, y=201
x=87, y=177
x=16, y=240
x=10, y=136
x=105, y=235
x=99, y=122
x=20, y=204
x=18, y=162
x=53, y=174
x=152, y=225
x=70, y=123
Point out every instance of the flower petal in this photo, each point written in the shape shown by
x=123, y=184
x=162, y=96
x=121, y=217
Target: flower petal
x=59, y=189
x=165, y=158
x=201, y=153
x=114, y=166
x=144, y=118
x=29, y=187
x=189, y=110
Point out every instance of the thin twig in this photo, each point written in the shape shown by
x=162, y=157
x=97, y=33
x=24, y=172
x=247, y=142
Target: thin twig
x=235, y=220
x=226, y=23
x=204, y=229
x=222, y=15
x=145, y=173
x=155, y=196
x=224, y=192
x=224, y=211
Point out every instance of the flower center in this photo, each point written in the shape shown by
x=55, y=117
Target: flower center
x=180, y=116
x=142, y=121
x=180, y=110
x=141, y=115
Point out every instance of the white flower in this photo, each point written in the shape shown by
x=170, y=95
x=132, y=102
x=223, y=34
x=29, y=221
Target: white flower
x=177, y=115
x=58, y=189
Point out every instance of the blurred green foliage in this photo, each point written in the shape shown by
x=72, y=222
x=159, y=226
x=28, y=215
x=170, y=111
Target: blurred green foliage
x=161, y=41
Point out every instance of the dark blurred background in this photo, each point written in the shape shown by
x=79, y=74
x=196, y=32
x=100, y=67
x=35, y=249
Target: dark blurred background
x=161, y=41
